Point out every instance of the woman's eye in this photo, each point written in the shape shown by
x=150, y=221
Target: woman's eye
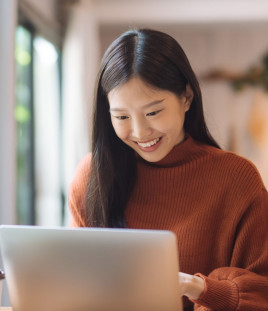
x=121, y=117
x=153, y=113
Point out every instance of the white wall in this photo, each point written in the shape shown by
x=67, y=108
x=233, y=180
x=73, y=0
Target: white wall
x=180, y=11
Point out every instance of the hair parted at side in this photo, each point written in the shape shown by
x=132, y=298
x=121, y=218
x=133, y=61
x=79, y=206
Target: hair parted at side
x=159, y=60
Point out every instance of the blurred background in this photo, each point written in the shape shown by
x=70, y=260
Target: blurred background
x=49, y=56
x=50, y=51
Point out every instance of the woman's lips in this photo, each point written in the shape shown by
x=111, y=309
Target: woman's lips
x=151, y=145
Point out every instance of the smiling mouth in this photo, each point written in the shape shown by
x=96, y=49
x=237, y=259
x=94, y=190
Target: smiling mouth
x=149, y=143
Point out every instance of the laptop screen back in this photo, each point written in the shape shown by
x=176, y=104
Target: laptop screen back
x=61, y=269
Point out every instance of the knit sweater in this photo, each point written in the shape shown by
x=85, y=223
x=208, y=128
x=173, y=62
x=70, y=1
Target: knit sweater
x=216, y=204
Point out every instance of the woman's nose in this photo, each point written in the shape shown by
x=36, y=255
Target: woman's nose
x=141, y=129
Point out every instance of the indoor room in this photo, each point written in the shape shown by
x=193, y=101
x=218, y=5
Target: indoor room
x=50, y=55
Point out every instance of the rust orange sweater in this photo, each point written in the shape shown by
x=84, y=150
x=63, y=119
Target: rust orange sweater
x=217, y=205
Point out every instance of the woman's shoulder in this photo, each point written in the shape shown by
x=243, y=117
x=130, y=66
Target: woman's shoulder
x=238, y=167
x=83, y=166
x=233, y=159
x=77, y=192
x=81, y=175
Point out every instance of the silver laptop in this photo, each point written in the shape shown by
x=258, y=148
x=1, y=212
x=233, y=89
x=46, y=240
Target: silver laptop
x=63, y=269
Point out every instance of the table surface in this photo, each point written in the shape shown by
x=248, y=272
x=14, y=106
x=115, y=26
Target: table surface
x=5, y=309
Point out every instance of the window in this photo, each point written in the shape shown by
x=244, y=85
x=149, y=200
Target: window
x=24, y=118
x=49, y=206
x=39, y=195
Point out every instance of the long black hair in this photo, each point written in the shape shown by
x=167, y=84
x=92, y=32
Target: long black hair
x=158, y=60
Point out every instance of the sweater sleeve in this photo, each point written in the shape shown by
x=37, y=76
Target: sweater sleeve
x=77, y=193
x=244, y=284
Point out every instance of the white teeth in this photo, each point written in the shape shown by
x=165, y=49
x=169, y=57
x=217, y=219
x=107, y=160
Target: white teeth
x=149, y=143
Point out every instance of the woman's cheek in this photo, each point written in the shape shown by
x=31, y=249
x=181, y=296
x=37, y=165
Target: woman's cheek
x=170, y=124
x=120, y=130
x=163, y=126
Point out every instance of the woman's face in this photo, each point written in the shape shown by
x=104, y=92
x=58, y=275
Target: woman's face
x=148, y=120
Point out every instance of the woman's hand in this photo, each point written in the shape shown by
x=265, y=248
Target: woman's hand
x=191, y=286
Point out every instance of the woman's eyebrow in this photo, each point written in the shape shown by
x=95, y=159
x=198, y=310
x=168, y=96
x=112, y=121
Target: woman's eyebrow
x=155, y=102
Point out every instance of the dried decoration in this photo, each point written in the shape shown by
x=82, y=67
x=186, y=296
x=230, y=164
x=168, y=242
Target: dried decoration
x=256, y=76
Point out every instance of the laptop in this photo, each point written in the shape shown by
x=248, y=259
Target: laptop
x=90, y=269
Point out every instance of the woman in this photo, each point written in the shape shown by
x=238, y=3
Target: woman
x=154, y=165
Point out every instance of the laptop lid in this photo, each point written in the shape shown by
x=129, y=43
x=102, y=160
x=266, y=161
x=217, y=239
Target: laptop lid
x=83, y=269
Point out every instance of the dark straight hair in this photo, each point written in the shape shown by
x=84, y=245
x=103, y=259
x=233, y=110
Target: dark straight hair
x=158, y=60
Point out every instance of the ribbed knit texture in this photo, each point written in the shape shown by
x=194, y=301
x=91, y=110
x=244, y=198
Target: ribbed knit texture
x=217, y=205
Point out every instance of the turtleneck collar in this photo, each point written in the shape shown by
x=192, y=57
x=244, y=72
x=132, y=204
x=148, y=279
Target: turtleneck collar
x=184, y=152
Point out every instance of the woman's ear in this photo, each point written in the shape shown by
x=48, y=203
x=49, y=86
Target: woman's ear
x=189, y=96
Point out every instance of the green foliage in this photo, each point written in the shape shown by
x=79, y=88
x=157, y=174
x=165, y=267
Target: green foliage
x=22, y=114
x=23, y=58
x=255, y=76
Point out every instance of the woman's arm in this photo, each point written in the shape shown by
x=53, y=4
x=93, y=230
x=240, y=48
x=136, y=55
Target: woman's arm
x=233, y=289
x=244, y=284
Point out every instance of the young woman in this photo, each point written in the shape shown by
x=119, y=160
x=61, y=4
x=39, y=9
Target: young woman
x=154, y=165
